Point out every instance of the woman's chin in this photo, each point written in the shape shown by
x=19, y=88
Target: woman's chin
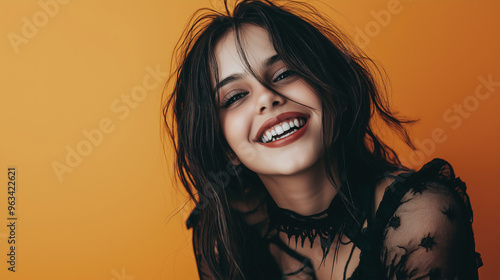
x=291, y=167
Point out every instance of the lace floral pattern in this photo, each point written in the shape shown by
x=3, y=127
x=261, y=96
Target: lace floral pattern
x=422, y=230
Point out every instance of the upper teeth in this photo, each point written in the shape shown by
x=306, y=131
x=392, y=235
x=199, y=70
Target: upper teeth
x=282, y=129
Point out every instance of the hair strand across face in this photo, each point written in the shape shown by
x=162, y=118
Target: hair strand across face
x=349, y=85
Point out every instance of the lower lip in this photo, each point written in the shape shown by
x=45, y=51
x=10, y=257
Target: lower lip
x=289, y=139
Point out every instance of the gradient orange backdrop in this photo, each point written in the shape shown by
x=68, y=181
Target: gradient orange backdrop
x=86, y=77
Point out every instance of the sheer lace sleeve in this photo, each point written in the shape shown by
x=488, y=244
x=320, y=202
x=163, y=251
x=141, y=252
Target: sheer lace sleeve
x=425, y=236
x=429, y=235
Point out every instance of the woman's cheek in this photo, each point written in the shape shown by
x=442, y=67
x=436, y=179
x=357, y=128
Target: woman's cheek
x=246, y=153
x=235, y=129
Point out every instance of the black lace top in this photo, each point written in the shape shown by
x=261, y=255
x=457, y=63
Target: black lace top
x=422, y=229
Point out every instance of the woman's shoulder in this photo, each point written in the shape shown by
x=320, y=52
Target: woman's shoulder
x=434, y=183
x=423, y=224
x=432, y=190
x=434, y=186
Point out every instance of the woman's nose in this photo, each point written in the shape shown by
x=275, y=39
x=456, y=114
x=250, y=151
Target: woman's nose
x=267, y=99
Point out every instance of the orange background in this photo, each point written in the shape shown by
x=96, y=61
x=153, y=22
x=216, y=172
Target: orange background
x=113, y=216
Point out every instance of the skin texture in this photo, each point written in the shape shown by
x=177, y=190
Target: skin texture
x=293, y=173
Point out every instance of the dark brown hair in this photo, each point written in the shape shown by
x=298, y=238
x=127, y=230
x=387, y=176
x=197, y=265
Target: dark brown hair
x=348, y=83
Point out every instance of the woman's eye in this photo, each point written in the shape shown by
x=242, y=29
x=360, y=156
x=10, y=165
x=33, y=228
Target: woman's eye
x=283, y=75
x=231, y=98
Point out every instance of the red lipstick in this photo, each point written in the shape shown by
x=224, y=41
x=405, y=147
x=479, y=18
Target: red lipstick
x=280, y=119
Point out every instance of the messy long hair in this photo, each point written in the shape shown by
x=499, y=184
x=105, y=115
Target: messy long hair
x=348, y=83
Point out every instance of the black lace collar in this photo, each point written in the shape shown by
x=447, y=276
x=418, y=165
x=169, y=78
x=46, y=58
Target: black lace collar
x=326, y=224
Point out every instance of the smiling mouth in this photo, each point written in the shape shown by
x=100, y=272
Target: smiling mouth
x=282, y=130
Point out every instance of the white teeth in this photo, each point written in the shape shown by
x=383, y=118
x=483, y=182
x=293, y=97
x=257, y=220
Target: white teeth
x=285, y=135
x=279, y=129
x=282, y=130
x=269, y=135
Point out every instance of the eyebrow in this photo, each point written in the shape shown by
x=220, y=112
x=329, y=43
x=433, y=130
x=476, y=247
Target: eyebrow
x=227, y=80
x=273, y=59
x=234, y=77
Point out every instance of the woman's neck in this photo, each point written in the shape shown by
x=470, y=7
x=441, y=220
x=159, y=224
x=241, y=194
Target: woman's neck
x=306, y=193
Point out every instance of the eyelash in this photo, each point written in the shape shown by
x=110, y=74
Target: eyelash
x=286, y=74
x=232, y=98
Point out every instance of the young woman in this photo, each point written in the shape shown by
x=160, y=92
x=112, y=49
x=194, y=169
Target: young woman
x=273, y=112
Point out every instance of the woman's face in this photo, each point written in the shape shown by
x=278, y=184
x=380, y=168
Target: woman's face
x=269, y=134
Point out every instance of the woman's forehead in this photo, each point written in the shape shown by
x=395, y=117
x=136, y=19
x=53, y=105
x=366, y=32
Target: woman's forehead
x=256, y=44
